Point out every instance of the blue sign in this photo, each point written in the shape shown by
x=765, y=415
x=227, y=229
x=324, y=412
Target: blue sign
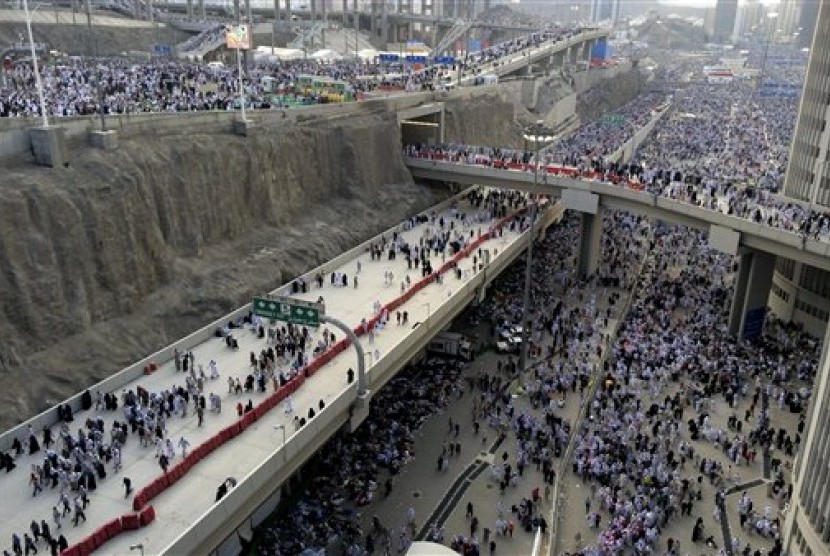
x=787, y=90
x=754, y=322
x=444, y=60
x=162, y=50
x=389, y=57
x=412, y=59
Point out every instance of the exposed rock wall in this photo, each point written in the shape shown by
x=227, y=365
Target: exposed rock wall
x=482, y=120
x=105, y=261
x=608, y=95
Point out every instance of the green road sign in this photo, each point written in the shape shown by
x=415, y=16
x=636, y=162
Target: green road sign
x=290, y=310
x=613, y=119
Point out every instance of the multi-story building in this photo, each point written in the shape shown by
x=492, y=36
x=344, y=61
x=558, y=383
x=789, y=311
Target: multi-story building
x=807, y=526
x=605, y=10
x=806, y=291
x=747, y=20
x=724, y=22
x=802, y=293
x=789, y=16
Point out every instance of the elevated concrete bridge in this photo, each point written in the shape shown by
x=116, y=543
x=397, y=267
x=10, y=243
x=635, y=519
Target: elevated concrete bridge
x=756, y=244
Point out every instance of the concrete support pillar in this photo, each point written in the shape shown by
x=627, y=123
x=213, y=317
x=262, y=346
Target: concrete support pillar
x=277, y=14
x=384, y=21
x=590, y=243
x=202, y=11
x=49, y=146
x=441, y=127
x=325, y=22
x=189, y=9
x=313, y=12
x=752, y=287
x=288, y=10
x=237, y=15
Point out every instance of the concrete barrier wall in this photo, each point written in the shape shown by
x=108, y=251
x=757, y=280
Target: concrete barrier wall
x=626, y=151
x=14, y=132
x=117, y=381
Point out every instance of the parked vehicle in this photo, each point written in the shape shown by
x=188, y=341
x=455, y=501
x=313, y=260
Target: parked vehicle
x=451, y=344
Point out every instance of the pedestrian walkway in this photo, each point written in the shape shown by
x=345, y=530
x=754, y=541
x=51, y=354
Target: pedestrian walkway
x=181, y=505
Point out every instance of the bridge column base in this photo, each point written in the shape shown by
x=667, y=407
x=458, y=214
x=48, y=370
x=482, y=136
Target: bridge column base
x=590, y=244
x=242, y=127
x=104, y=140
x=752, y=287
x=49, y=146
x=359, y=411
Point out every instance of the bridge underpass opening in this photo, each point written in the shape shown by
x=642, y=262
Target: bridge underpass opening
x=426, y=129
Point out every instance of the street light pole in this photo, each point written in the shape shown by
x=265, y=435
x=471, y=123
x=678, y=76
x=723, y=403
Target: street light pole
x=38, y=81
x=771, y=19
x=361, y=361
x=539, y=135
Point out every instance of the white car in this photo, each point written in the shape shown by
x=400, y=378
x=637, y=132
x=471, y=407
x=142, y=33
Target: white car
x=510, y=344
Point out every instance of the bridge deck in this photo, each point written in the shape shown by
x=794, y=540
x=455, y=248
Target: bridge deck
x=755, y=235
x=182, y=504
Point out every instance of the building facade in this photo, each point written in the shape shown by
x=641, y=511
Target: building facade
x=724, y=20
x=807, y=526
x=799, y=292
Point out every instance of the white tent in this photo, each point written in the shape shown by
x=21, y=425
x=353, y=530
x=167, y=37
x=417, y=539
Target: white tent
x=368, y=54
x=326, y=55
x=266, y=53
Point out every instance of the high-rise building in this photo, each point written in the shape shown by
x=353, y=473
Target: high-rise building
x=725, y=13
x=807, y=23
x=748, y=19
x=605, y=10
x=789, y=16
x=807, y=528
x=801, y=293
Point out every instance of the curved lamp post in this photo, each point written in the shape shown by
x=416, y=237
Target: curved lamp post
x=541, y=136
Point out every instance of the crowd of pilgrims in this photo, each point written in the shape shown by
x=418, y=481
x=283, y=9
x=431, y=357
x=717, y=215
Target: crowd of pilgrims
x=672, y=363
x=719, y=147
x=354, y=469
x=71, y=86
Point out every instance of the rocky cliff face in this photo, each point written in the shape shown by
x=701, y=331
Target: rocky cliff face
x=486, y=120
x=608, y=95
x=106, y=261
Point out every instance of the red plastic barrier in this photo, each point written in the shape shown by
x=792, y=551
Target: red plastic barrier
x=247, y=420
x=262, y=409
x=130, y=522
x=72, y=551
x=227, y=433
x=177, y=472
x=114, y=528
x=89, y=545
x=139, y=499
x=100, y=537
x=147, y=516
x=210, y=444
